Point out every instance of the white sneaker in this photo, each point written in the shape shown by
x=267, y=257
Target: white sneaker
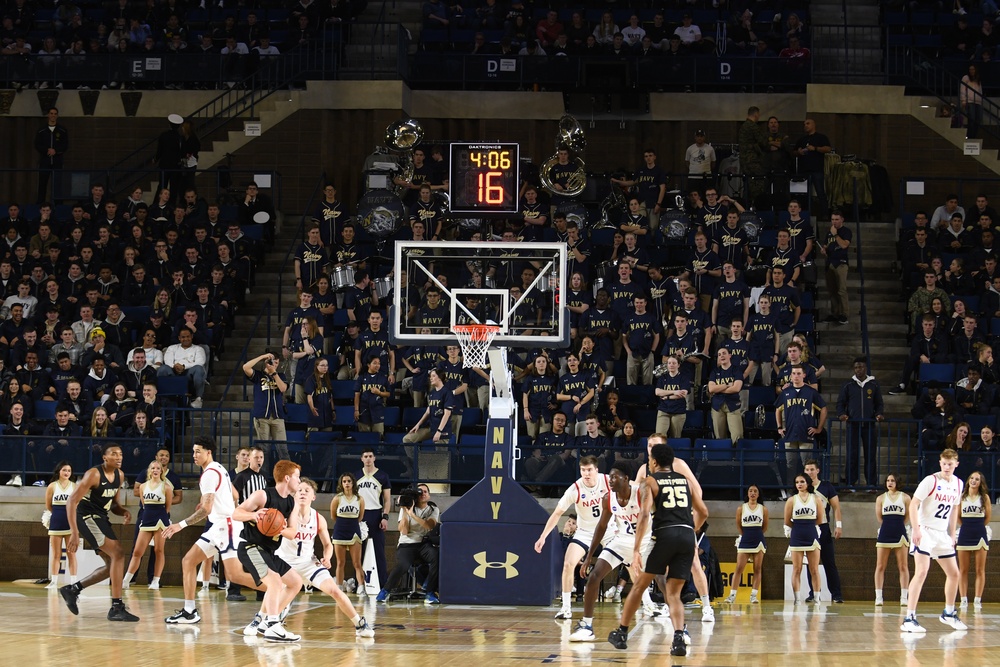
x=53, y=584
x=350, y=585
x=878, y=601
x=904, y=598
x=731, y=598
x=196, y=403
x=613, y=594
x=276, y=632
x=362, y=593
x=964, y=604
x=155, y=586
x=362, y=629
x=977, y=605
x=583, y=633
x=651, y=609
x=707, y=614
x=14, y=481
x=251, y=629
x=687, y=636
x=910, y=625
x=953, y=621
x=126, y=585
x=754, y=599
x=564, y=614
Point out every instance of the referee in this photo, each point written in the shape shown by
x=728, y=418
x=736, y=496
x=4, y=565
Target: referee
x=246, y=483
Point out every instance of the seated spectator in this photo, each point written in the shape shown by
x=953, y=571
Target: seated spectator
x=99, y=380
x=552, y=450
x=942, y=214
x=954, y=238
x=548, y=29
x=929, y=347
x=98, y=348
x=965, y=341
x=120, y=406
x=920, y=301
x=917, y=256
x=79, y=403
x=35, y=380
x=973, y=395
x=58, y=443
x=593, y=443
x=138, y=371
x=611, y=414
x=959, y=439
x=960, y=39
x=186, y=359
x=795, y=55
x=11, y=394
x=605, y=31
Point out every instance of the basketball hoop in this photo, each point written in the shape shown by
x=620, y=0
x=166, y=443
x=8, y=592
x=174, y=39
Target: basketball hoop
x=475, y=340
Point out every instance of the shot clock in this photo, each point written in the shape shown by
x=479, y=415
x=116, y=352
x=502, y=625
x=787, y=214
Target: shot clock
x=483, y=178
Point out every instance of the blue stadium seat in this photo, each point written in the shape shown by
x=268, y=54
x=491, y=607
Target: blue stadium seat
x=645, y=420
x=714, y=449
x=761, y=396
x=941, y=375
x=391, y=416
x=45, y=411
x=345, y=415
x=641, y=395
x=297, y=414
x=977, y=422
x=471, y=417
x=343, y=390
x=254, y=232
x=366, y=437
x=340, y=319
x=171, y=386
x=412, y=415
x=806, y=324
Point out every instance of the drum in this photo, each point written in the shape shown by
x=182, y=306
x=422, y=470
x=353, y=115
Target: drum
x=606, y=270
x=382, y=287
x=343, y=276
x=598, y=285
x=380, y=213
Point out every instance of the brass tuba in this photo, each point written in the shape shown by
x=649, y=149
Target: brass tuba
x=570, y=138
x=403, y=136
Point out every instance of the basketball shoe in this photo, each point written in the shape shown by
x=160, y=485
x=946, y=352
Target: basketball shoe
x=119, y=612
x=910, y=624
x=952, y=620
x=182, y=617
x=362, y=629
x=618, y=639
x=584, y=633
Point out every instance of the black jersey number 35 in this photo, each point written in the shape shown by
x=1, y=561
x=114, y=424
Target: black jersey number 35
x=671, y=497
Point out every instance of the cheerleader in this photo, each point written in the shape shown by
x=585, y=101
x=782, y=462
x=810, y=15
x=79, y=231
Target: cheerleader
x=802, y=520
x=751, y=523
x=56, y=496
x=892, y=510
x=973, y=536
x=156, y=495
x=347, y=508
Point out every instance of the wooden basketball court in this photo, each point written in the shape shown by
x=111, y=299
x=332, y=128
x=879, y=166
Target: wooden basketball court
x=41, y=631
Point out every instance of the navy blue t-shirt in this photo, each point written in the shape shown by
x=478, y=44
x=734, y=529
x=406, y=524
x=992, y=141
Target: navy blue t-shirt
x=801, y=409
x=726, y=376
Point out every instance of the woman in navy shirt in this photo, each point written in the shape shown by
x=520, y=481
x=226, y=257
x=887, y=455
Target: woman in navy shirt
x=576, y=389
x=538, y=397
x=319, y=396
x=371, y=389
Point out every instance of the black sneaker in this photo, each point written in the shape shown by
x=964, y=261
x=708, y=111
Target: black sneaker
x=119, y=612
x=843, y=320
x=811, y=598
x=71, y=595
x=898, y=390
x=618, y=639
x=236, y=597
x=830, y=318
x=678, y=647
x=43, y=581
x=838, y=600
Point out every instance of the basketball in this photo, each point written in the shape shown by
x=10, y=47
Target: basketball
x=272, y=523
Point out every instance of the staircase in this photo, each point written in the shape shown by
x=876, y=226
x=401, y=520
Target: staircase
x=373, y=50
x=846, y=45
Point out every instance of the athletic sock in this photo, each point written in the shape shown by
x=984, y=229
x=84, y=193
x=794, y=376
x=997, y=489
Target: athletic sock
x=646, y=597
x=588, y=620
x=732, y=591
x=128, y=578
x=878, y=592
x=567, y=599
x=706, y=601
x=73, y=578
x=949, y=609
x=156, y=580
x=271, y=619
x=115, y=602
x=754, y=591
x=356, y=620
x=619, y=588
x=978, y=601
x=189, y=606
x=77, y=588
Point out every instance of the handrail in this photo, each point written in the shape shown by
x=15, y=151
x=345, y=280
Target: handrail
x=863, y=312
x=296, y=240
x=912, y=66
x=265, y=309
x=232, y=103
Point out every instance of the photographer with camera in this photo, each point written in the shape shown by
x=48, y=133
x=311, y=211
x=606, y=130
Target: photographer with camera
x=268, y=413
x=418, y=516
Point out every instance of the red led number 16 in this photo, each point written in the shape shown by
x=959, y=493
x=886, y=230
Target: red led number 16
x=488, y=192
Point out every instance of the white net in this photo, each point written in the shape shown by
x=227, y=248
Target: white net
x=475, y=340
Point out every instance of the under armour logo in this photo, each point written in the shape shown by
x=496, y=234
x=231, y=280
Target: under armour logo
x=507, y=566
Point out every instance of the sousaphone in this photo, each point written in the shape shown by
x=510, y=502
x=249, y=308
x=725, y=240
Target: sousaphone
x=403, y=136
x=571, y=138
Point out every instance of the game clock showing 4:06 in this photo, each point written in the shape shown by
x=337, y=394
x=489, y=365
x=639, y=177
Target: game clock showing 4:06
x=483, y=178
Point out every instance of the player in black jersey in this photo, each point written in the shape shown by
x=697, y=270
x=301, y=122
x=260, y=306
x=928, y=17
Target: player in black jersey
x=87, y=512
x=256, y=553
x=678, y=510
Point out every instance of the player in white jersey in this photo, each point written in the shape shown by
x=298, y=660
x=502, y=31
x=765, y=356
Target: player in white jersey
x=586, y=493
x=934, y=514
x=297, y=548
x=623, y=505
x=222, y=536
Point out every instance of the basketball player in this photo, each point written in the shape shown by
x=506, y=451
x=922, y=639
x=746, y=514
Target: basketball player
x=221, y=534
x=934, y=514
x=678, y=512
x=247, y=480
x=87, y=512
x=375, y=489
x=623, y=505
x=297, y=549
x=256, y=553
x=586, y=493
x=697, y=574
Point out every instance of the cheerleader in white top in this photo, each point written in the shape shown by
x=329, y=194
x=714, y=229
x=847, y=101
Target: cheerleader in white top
x=347, y=510
x=56, y=496
x=156, y=494
x=298, y=550
x=892, y=510
x=802, y=520
x=973, y=537
x=751, y=523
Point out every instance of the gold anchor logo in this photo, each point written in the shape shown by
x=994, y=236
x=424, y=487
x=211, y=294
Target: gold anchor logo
x=507, y=566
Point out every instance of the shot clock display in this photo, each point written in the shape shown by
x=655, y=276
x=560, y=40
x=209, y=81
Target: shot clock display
x=483, y=178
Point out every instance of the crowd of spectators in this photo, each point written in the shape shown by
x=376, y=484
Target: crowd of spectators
x=760, y=29
x=85, y=30
x=102, y=302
